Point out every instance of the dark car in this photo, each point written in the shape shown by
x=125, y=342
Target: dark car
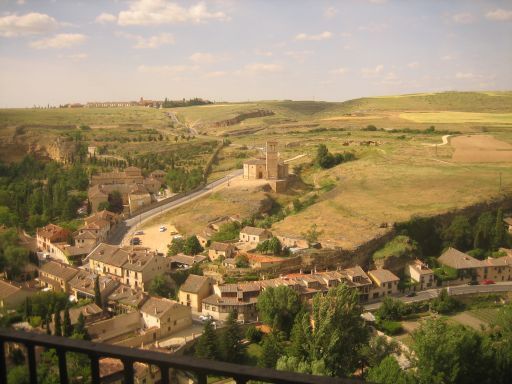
x=135, y=241
x=473, y=282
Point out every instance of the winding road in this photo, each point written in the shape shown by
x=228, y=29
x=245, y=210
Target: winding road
x=129, y=225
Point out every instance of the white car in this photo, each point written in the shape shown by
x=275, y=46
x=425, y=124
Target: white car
x=163, y=229
x=205, y=318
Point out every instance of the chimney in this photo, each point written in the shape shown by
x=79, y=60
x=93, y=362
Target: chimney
x=300, y=271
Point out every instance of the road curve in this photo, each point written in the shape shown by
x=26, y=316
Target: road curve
x=128, y=225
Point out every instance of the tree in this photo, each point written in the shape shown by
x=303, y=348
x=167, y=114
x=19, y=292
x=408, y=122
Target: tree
x=97, y=293
x=161, y=285
x=391, y=309
x=377, y=350
x=67, y=328
x=270, y=351
x=115, y=201
x=192, y=246
x=242, y=261
x=444, y=303
x=80, y=331
x=57, y=324
x=484, y=231
x=207, y=344
x=18, y=375
x=389, y=372
x=176, y=246
x=231, y=348
x=104, y=205
x=339, y=330
x=278, y=307
x=459, y=234
x=500, y=231
x=27, y=309
x=274, y=246
x=446, y=353
x=312, y=234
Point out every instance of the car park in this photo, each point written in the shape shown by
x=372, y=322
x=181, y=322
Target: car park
x=163, y=228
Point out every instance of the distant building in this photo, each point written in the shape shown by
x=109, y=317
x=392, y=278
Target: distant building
x=419, y=272
x=12, y=295
x=270, y=168
x=56, y=276
x=217, y=249
x=194, y=290
x=254, y=235
x=385, y=283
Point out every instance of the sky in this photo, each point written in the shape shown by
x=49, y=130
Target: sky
x=62, y=51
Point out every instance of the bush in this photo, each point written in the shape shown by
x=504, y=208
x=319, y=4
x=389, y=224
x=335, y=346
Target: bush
x=253, y=334
x=390, y=327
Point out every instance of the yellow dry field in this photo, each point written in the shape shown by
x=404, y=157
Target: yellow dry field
x=480, y=149
x=458, y=117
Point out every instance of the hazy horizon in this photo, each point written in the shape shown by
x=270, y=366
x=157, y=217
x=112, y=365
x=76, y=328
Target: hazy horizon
x=55, y=52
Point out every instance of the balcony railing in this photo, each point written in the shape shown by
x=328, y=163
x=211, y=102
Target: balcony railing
x=200, y=368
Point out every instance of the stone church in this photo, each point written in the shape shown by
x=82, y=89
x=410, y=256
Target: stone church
x=269, y=168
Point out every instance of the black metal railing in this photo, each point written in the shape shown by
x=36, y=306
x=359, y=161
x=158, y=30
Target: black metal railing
x=200, y=368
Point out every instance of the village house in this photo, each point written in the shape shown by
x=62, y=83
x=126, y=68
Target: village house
x=194, y=290
x=166, y=315
x=47, y=238
x=112, y=372
x=56, y=276
x=419, y=272
x=254, y=234
x=468, y=268
x=385, y=283
x=224, y=250
x=133, y=267
x=355, y=277
x=185, y=261
x=126, y=299
x=82, y=286
x=12, y=295
x=91, y=313
x=227, y=298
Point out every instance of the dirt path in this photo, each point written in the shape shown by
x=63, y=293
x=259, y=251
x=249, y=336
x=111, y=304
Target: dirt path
x=444, y=142
x=295, y=158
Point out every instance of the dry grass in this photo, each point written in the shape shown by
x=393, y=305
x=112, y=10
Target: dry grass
x=480, y=149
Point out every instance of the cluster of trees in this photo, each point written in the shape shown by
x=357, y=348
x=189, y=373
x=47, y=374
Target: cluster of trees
x=13, y=258
x=33, y=193
x=188, y=246
x=479, y=235
x=184, y=103
x=114, y=202
x=183, y=180
x=430, y=130
x=227, y=232
x=325, y=159
x=272, y=246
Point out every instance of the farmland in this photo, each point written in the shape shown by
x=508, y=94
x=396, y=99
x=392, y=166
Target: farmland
x=406, y=170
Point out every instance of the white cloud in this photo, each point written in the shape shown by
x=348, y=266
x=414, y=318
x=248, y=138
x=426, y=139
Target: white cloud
x=499, y=15
x=263, y=67
x=371, y=72
x=378, y=1
x=20, y=2
x=373, y=27
x=157, y=12
x=154, y=41
x=413, y=64
x=215, y=74
x=321, y=36
x=260, y=52
x=345, y=34
x=75, y=56
x=448, y=57
x=62, y=40
x=29, y=24
x=203, y=58
x=105, y=18
x=391, y=79
x=165, y=69
x=300, y=56
x=465, y=75
x=339, y=71
x=463, y=18
x=330, y=12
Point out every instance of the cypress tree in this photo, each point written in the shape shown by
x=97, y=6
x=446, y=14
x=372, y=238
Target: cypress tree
x=499, y=230
x=80, y=330
x=57, y=324
x=206, y=346
x=231, y=346
x=67, y=329
x=97, y=293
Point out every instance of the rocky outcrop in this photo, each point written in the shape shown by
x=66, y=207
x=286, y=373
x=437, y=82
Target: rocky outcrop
x=241, y=117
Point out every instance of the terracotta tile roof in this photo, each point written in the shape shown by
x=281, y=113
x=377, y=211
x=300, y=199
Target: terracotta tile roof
x=383, y=275
x=158, y=307
x=458, y=260
x=62, y=271
x=217, y=300
x=221, y=247
x=254, y=231
x=503, y=261
x=52, y=230
x=84, y=282
x=194, y=283
x=7, y=289
x=128, y=296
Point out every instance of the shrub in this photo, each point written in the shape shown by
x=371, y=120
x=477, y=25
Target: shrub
x=253, y=334
x=390, y=327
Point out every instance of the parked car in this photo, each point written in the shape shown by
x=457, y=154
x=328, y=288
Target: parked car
x=205, y=318
x=135, y=241
x=163, y=228
x=488, y=282
x=473, y=282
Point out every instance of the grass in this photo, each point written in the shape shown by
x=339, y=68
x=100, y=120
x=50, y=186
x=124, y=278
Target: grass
x=397, y=247
x=487, y=315
x=458, y=117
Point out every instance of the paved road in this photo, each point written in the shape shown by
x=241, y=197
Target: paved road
x=452, y=291
x=129, y=225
